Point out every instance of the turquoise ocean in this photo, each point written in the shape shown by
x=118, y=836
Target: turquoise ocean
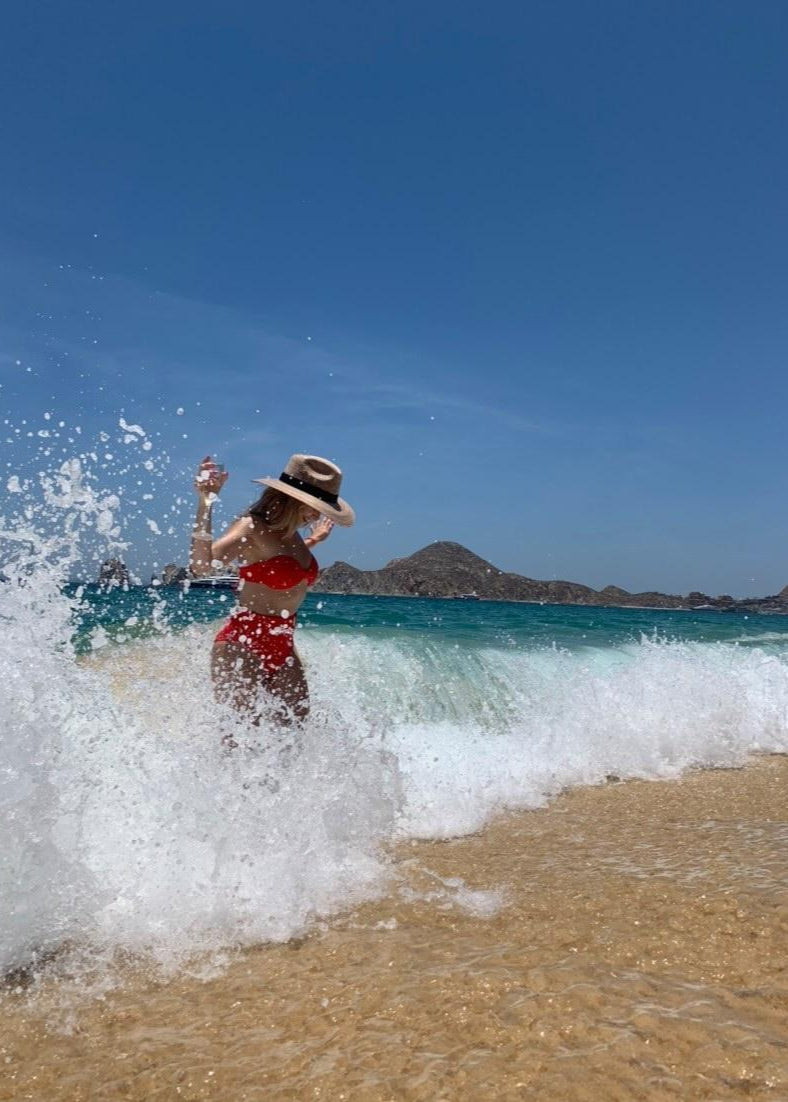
x=471, y=624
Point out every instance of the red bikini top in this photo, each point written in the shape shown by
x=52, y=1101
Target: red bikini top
x=280, y=572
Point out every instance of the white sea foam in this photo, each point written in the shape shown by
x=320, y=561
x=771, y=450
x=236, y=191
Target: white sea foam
x=125, y=822
x=508, y=729
x=762, y=637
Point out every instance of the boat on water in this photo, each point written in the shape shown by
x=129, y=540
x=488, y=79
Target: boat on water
x=216, y=581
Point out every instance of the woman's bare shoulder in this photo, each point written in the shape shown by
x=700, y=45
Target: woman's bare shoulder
x=259, y=534
x=243, y=526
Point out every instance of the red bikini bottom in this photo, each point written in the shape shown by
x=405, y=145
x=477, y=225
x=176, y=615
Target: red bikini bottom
x=269, y=637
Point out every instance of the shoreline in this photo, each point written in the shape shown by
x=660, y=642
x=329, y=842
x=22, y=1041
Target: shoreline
x=627, y=940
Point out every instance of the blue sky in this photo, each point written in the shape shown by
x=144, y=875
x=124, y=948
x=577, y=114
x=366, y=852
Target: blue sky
x=519, y=268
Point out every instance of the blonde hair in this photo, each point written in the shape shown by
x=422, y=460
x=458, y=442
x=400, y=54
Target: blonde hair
x=277, y=511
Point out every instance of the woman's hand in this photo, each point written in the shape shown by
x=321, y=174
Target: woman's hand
x=210, y=478
x=320, y=531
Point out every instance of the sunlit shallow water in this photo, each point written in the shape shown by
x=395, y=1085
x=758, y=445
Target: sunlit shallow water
x=626, y=941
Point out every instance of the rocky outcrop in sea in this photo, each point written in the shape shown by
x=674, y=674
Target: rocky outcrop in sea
x=113, y=572
x=172, y=574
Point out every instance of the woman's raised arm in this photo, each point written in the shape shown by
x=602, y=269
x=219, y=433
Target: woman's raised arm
x=204, y=552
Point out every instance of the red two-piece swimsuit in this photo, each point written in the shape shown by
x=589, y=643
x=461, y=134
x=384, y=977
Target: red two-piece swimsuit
x=269, y=637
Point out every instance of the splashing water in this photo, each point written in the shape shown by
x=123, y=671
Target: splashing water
x=126, y=825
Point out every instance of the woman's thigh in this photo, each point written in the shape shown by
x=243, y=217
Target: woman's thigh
x=288, y=685
x=238, y=676
x=239, y=679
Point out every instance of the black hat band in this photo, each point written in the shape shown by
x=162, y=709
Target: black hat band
x=310, y=488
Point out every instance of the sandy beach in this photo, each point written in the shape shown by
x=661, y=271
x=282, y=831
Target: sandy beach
x=628, y=941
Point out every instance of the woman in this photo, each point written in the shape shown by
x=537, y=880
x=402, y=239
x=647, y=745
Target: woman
x=253, y=653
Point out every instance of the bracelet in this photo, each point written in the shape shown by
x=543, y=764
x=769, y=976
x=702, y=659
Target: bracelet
x=202, y=536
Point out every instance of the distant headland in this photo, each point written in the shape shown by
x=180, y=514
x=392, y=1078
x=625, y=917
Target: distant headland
x=446, y=569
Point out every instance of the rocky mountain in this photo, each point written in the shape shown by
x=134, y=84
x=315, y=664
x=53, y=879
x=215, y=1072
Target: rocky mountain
x=446, y=569
x=172, y=574
x=113, y=572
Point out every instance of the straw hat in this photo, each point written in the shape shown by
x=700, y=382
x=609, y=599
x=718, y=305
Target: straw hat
x=316, y=482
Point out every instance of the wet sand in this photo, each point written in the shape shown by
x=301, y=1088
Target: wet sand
x=627, y=942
